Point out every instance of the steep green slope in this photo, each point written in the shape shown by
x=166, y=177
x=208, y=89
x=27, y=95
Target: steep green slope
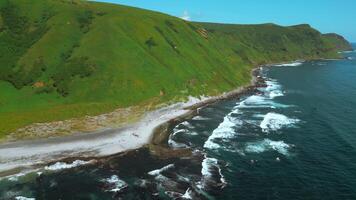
x=61, y=59
x=266, y=43
x=338, y=41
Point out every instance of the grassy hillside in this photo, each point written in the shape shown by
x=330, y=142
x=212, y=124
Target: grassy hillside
x=61, y=59
x=268, y=43
x=338, y=41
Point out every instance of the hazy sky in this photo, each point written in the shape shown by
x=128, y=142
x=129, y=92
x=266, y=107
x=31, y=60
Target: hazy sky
x=337, y=16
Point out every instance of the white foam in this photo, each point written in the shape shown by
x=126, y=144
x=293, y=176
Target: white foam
x=192, y=133
x=63, y=165
x=321, y=63
x=272, y=85
x=254, y=99
x=207, y=165
x=117, y=183
x=292, y=64
x=24, y=198
x=159, y=171
x=347, y=51
x=187, y=194
x=175, y=144
x=172, y=143
x=16, y=176
x=273, y=89
x=274, y=121
x=222, y=178
x=173, y=195
x=209, y=144
x=183, y=179
x=177, y=131
x=268, y=145
x=257, y=101
x=225, y=130
x=274, y=94
x=162, y=178
x=200, y=118
x=259, y=116
x=187, y=124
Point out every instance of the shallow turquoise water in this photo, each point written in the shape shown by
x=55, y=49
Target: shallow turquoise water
x=295, y=139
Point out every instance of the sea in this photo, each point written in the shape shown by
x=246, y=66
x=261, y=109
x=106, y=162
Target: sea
x=294, y=139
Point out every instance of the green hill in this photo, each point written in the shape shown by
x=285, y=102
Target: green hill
x=339, y=42
x=62, y=59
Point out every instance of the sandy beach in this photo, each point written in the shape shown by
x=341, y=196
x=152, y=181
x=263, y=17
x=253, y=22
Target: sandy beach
x=22, y=154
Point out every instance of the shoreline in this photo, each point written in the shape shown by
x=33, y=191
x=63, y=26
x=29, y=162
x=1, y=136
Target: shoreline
x=161, y=133
x=25, y=155
x=152, y=131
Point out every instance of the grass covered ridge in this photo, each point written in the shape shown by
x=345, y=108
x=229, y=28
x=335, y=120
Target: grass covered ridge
x=62, y=59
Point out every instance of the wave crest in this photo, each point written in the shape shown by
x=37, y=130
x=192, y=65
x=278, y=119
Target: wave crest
x=62, y=165
x=268, y=145
x=274, y=121
x=292, y=64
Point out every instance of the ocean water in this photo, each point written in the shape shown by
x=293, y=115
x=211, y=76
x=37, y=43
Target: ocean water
x=294, y=139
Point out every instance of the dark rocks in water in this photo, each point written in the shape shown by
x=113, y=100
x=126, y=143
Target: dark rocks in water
x=190, y=193
x=212, y=180
x=143, y=183
x=174, y=195
x=166, y=153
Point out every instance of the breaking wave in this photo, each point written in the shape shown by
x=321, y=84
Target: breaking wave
x=225, y=130
x=172, y=143
x=200, y=118
x=268, y=145
x=115, y=184
x=159, y=171
x=258, y=101
x=186, y=124
x=212, y=176
x=63, y=165
x=274, y=89
x=188, y=194
x=292, y=64
x=347, y=51
x=17, y=176
x=24, y=198
x=274, y=121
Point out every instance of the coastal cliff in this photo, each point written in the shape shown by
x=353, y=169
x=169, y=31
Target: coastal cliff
x=64, y=59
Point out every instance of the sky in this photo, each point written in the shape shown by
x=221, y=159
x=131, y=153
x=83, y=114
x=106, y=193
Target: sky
x=338, y=16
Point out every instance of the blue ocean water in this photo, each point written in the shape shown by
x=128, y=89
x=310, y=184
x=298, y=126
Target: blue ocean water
x=294, y=139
